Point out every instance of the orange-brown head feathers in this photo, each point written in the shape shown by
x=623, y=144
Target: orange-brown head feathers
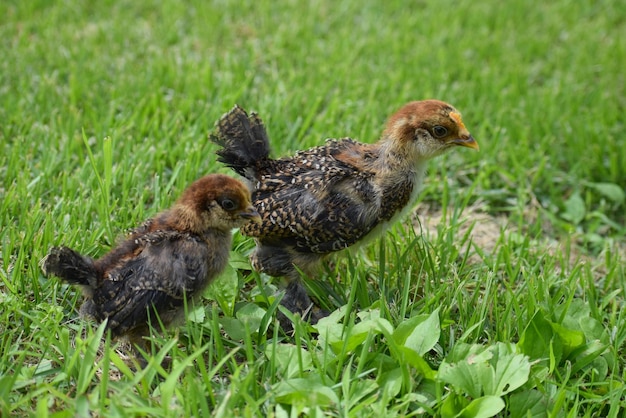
x=215, y=201
x=428, y=128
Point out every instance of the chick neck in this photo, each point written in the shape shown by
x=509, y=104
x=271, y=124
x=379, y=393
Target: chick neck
x=398, y=159
x=186, y=219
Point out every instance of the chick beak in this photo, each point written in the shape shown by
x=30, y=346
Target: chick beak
x=468, y=142
x=251, y=214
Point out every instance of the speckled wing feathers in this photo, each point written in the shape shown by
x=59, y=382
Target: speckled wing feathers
x=154, y=276
x=323, y=204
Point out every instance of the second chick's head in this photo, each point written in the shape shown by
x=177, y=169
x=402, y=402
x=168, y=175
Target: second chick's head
x=424, y=129
x=215, y=201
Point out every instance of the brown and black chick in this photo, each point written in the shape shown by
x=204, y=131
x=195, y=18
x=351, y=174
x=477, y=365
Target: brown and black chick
x=332, y=196
x=172, y=256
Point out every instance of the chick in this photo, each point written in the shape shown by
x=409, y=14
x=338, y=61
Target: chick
x=172, y=256
x=332, y=196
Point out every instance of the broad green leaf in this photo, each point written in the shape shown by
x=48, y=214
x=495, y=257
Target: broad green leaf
x=611, y=191
x=383, y=361
x=248, y=321
x=485, y=407
x=197, y=315
x=289, y=358
x=419, y=333
x=251, y=316
x=264, y=294
x=282, y=411
x=415, y=400
x=528, y=404
x=510, y=370
x=342, y=338
x=238, y=261
x=465, y=376
x=390, y=383
x=416, y=361
x=590, y=355
x=308, y=391
x=491, y=371
x=330, y=331
x=594, y=330
x=474, y=352
x=575, y=209
x=536, y=339
x=361, y=394
x=357, y=334
x=569, y=315
x=452, y=406
x=233, y=327
x=571, y=339
x=405, y=355
x=225, y=290
x=373, y=316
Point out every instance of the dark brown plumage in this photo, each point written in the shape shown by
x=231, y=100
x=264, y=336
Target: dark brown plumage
x=171, y=256
x=330, y=197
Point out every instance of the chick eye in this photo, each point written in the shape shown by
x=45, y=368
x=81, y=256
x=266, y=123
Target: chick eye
x=440, y=131
x=227, y=204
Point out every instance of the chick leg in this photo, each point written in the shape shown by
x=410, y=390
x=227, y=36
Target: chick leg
x=278, y=261
x=297, y=301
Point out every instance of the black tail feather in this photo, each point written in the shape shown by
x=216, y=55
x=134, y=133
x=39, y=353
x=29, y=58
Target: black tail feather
x=70, y=266
x=243, y=140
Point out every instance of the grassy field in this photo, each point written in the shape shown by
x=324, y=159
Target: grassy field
x=503, y=295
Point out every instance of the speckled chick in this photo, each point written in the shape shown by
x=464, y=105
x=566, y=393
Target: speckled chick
x=332, y=196
x=172, y=256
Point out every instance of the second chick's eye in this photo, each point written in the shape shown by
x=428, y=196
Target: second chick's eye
x=440, y=131
x=227, y=204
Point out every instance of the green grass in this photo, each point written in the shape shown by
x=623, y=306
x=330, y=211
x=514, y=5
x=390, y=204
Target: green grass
x=105, y=107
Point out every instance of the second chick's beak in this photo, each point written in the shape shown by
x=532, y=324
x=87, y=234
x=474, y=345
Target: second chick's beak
x=250, y=213
x=468, y=142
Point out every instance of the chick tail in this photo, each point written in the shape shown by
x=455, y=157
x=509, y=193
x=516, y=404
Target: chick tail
x=244, y=142
x=70, y=266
